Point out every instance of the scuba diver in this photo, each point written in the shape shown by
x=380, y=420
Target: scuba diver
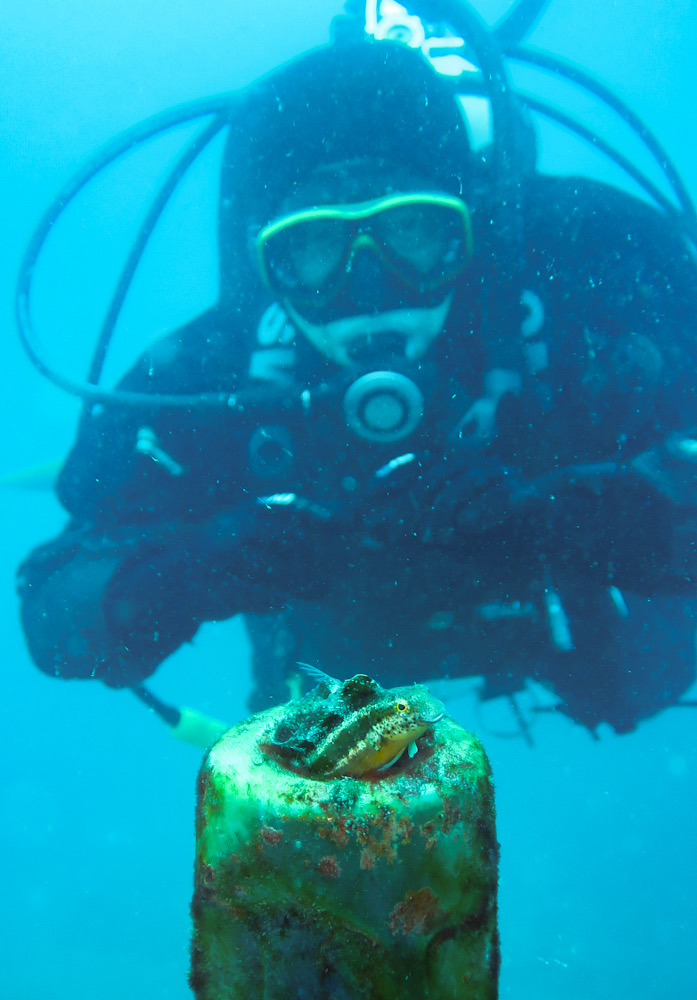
x=438, y=423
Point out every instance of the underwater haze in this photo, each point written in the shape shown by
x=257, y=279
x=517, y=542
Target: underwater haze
x=598, y=872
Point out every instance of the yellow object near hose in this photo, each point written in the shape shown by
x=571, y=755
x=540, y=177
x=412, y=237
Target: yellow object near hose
x=41, y=476
x=198, y=729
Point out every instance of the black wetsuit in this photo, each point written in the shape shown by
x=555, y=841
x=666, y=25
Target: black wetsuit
x=440, y=567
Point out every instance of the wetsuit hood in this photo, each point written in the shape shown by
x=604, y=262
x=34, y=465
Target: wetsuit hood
x=342, y=102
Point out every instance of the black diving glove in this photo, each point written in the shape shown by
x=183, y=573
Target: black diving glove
x=602, y=521
x=608, y=521
x=113, y=606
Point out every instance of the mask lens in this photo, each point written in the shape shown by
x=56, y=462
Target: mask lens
x=425, y=241
x=307, y=255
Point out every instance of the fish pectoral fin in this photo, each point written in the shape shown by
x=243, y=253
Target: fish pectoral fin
x=412, y=749
x=383, y=767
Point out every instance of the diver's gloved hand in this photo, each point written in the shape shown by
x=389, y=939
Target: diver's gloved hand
x=114, y=606
x=617, y=527
x=606, y=521
x=457, y=498
x=61, y=587
x=248, y=559
x=463, y=502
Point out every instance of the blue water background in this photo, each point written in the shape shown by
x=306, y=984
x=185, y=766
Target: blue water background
x=598, y=872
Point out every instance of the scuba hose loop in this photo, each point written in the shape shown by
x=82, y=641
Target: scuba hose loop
x=220, y=109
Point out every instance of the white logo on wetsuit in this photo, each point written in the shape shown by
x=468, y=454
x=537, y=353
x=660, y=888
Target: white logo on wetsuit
x=274, y=358
x=535, y=350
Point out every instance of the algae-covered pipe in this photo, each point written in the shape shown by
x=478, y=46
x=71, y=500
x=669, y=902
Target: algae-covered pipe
x=365, y=885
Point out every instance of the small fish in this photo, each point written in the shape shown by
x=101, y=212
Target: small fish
x=352, y=728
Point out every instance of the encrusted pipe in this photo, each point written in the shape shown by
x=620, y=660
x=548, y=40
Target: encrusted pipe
x=375, y=884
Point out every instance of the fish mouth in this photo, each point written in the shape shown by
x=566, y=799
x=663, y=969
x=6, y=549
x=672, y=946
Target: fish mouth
x=432, y=722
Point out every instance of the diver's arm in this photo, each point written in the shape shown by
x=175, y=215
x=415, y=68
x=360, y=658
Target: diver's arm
x=113, y=606
x=629, y=524
x=620, y=526
x=622, y=280
x=634, y=351
x=155, y=543
x=614, y=284
x=68, y=618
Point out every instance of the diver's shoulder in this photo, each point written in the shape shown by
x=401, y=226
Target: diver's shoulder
x=581, y=202
x=583, y=213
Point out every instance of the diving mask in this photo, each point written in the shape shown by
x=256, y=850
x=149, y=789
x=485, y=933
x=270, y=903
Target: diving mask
x=425, y=239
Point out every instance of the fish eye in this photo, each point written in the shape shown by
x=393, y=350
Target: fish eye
x=401, y=706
